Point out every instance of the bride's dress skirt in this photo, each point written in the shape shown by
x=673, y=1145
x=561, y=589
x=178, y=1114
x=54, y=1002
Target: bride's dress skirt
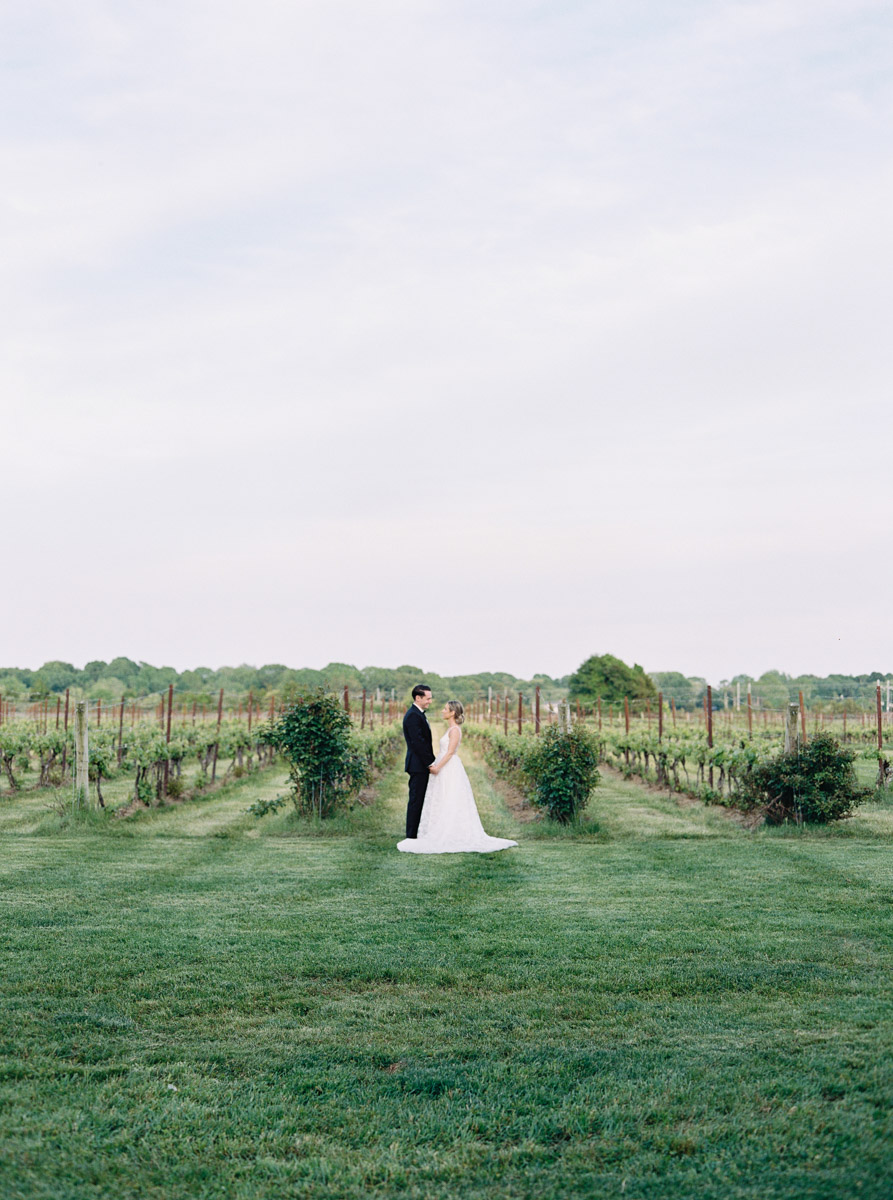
x=450, y=823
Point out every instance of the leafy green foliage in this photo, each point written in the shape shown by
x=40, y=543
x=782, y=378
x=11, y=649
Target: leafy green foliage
x=262, y=807
x=314, y=735
x=817, y=785
x=14, y=743
x=563, y=767
x=558, y=769
x=143, y=752
x=609, y=678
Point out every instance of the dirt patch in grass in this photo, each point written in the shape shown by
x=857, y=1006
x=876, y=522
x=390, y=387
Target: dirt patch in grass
x=515, y=800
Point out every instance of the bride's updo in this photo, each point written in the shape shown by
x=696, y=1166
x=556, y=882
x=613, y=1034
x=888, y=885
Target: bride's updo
x=457, y=710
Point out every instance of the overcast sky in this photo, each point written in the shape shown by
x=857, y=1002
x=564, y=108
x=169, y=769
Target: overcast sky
x=479, y=336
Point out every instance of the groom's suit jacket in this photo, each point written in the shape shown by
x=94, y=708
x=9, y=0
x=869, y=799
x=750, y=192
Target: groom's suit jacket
x=419, y=746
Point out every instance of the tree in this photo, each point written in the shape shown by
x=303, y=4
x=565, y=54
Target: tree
x=58, y=675
x=773, y=688
x=124, y=669
x=683, y=691
x=609, y=678
x=108, y=689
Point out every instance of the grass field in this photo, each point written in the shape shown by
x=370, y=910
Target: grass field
x=658, y=1004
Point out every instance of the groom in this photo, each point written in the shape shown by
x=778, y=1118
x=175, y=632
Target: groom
x=419, y=755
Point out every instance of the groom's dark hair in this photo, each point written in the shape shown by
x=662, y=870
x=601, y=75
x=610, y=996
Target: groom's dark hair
x=419, y=690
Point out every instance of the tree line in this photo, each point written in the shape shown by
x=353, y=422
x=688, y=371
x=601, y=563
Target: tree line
x=601, y=677
x=109, y=681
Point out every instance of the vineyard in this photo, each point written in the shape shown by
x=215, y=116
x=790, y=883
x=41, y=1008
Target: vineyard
x=169, y=750
x=780, y=767
x=162, y=758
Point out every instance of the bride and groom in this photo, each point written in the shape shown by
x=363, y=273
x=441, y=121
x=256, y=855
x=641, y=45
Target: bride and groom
x=441, y=816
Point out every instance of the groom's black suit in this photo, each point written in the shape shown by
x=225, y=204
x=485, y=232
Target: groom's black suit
x=419, y=756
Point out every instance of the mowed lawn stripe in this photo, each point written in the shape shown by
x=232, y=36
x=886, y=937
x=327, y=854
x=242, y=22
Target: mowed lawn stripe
x=310, y=1013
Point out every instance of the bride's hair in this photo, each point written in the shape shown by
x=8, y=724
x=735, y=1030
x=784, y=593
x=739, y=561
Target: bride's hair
x=457, y=710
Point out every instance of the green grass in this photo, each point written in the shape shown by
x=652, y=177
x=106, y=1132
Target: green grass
x=659, y=1004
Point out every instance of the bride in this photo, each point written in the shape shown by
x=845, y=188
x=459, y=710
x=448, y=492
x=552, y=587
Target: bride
x=450, y=822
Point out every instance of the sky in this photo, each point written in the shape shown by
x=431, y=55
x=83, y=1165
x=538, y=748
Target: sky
x=477, y=336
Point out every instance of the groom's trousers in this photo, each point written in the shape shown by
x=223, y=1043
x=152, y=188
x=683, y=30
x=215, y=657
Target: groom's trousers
x=418, y=785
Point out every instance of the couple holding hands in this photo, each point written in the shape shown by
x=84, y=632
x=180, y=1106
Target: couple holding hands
x=441, y=816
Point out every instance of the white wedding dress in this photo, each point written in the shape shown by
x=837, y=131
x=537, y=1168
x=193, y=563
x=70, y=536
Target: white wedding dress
x=450, y=823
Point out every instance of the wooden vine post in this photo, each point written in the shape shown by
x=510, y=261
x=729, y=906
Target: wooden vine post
x=520, y=711
x=120, y=732
x=505, y=713
x=217, y=739
x=792, y=729
x=81, y=756
x=363, y=711
x=626, y=719
x=802, y=717
x=167, y=735
x=709, y=703
x=660, y=716
x=65, y=743
x=880, y=731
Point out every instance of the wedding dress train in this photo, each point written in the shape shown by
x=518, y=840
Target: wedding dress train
x=450, y=823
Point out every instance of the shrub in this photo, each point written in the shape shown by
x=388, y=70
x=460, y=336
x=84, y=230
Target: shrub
x=562, y=765
x=176, y=788
x=260, y=808
x=314, y=735
x=818, y=784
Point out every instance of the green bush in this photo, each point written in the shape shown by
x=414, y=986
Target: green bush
x=315, y=736
x=817, y=785
x=260, y=808
x=562, y=765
